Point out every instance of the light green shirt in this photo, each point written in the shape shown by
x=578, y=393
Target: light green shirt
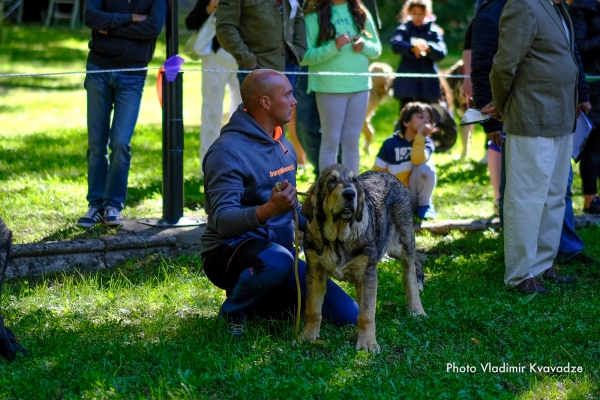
x=326, y=57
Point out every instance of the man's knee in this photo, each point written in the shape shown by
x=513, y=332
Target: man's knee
x=277, y=261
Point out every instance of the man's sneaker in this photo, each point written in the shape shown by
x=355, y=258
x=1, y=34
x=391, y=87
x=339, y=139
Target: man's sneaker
x=426, y=212
x=594, y=208
x=112, y=217
x=91, y=218
x=236, y=326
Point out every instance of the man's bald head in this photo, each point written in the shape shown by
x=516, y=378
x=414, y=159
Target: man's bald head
x=259, y=83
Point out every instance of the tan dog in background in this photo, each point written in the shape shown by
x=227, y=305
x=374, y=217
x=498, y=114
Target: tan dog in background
x=378, y=93
x=352, y=222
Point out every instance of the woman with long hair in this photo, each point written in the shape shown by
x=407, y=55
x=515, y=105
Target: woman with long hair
x=341, y=37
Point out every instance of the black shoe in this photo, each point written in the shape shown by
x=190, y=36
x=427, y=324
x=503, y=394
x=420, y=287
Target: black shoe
x=551, y=274
x=581, y=259
x=236, y=326
x=531, y=286
x=594, y=208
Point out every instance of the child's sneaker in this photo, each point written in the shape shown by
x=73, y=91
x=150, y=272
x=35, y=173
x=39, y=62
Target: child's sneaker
x=112, y=217
x=91, y=218
x=426, y=212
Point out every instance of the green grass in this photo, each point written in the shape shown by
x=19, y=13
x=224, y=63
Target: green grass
x=147, y=329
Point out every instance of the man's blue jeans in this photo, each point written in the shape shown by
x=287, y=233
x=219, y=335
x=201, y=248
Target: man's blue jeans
x=570, y=242
x=107, y=175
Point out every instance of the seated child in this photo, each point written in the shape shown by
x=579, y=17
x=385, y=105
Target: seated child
x=406, y=155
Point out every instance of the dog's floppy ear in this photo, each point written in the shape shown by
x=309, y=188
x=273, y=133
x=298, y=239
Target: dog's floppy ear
x=310, y=204
x=360, y=202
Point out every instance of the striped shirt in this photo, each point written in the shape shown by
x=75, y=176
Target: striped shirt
x=397, y=155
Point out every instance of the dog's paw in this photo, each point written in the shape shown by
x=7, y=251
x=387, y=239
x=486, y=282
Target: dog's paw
x=370, y=346
x=309, y=334
x=418, y=313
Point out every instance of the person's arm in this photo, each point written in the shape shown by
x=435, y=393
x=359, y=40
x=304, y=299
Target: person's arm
x=316, y=54
x=437, y=47
x=587, y=46
x=483, y=49
x=419, y=152
x=401, y=42
x=98, y=20
x=517, y=33
x=228, y=21
x=372, y=45
x=583, y=89
x=199, y=15
x=147, y=29
x=299, y=40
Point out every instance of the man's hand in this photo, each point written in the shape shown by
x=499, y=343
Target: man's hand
x=138, y=18
x=280, y=202
x=492, y=111
x=212, y=6
x=495, y=137
x=585, y=107
x=103, y=32
x=358, y=44
x=342, y=40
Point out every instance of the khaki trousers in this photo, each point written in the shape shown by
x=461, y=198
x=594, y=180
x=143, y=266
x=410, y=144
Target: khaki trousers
x=537, y=173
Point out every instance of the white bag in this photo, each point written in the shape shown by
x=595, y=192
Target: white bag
x=200, y=43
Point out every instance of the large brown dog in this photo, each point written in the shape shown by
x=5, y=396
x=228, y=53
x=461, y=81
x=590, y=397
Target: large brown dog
x=351, y=223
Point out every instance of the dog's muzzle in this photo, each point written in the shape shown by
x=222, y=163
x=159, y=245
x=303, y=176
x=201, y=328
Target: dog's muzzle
x=349, y=196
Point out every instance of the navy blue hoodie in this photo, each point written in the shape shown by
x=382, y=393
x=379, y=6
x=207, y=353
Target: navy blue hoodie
x=126, y=44
x=240, y=170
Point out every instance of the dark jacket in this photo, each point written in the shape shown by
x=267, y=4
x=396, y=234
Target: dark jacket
x=240, y=170
x=585, y=15
x=126, y=44
x=196, y=19
x=418, y=88
x=484, y=46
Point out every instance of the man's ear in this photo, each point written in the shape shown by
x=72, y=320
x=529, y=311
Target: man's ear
x=265, y=102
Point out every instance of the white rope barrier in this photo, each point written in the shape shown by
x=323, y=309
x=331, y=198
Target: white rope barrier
x=323, y=73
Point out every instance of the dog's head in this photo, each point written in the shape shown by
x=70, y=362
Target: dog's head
x=381, y=84
x=337, y=194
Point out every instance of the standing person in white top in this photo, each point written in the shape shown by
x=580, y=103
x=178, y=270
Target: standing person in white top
x=213, y=83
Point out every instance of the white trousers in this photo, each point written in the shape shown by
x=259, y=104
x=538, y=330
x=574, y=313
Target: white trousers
x=213, y=94
x=537, y=173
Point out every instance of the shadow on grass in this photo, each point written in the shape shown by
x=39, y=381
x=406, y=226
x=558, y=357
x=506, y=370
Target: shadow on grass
x=471, y=172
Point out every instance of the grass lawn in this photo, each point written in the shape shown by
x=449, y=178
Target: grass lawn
x=147, y=329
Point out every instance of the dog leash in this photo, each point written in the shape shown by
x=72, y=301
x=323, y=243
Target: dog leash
x=296, y=255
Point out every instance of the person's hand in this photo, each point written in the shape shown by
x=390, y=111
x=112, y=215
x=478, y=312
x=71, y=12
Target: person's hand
x=426, y=130
x=492, y=111
x=585, y=107
x=212, y=6
x=495, y=137
x=358, y=44
x=467, y=88
x=280, y=202
x=342, y=40
x=103, y=32
x=416, y=51
x=138, y=17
